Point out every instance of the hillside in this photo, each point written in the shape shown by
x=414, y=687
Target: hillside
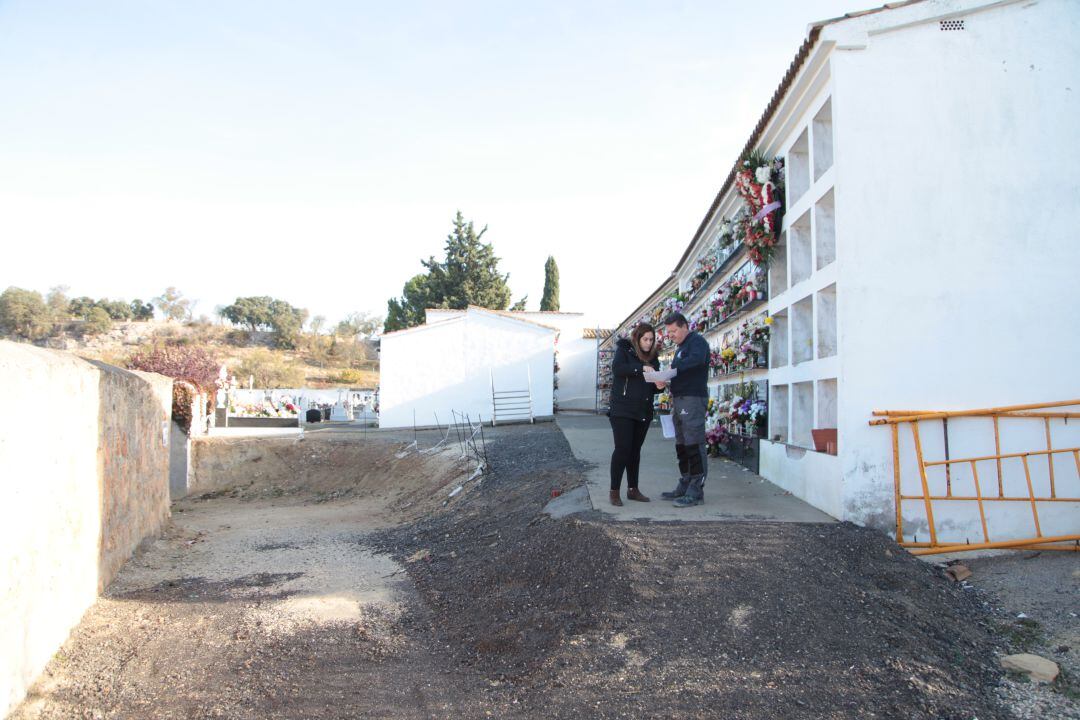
x=319, y=361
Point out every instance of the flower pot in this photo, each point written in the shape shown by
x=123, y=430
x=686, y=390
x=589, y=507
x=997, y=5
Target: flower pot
x=825, y=440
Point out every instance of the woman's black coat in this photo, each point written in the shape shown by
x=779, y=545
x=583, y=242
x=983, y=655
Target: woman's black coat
x=631, y=396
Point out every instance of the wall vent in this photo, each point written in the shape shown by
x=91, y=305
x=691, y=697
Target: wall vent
x=948, y=25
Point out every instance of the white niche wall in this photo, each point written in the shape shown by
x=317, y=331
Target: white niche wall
x=804, y=381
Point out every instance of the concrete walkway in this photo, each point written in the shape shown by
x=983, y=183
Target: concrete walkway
x=731, y=492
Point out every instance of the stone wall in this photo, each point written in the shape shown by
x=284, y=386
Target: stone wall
x=133, y=451
x=84, y=448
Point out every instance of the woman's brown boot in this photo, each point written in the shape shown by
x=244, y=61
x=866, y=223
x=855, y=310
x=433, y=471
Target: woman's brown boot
x=615, y=499
x=635, y=494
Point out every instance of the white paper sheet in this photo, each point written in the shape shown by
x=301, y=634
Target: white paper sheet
x=667, y=424
x=659, y=375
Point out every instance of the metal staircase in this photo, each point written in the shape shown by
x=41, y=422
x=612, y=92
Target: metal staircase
x=511, y=405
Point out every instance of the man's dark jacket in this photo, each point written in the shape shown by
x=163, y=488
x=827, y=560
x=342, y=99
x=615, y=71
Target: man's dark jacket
x=692, y=362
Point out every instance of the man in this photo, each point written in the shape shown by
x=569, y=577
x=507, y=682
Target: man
x=690, y=398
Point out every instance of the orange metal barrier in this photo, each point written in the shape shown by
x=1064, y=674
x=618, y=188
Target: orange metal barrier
x=1038, y=411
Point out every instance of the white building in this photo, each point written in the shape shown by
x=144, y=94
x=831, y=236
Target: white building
x=457, y=359
x=926, y=255
x=575, y=353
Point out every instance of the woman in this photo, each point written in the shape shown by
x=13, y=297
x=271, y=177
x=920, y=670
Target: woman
x=631, y=407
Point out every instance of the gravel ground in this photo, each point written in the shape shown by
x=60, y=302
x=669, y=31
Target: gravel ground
x=336, y=578
x=758, y=620
x=1036, y=596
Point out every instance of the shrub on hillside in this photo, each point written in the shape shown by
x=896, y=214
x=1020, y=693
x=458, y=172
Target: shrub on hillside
x=349, y=376
x=268, y=370
x=97, y=322
x=190, y=362
x=24, y=313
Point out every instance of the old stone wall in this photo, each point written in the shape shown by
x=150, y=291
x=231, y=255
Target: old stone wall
x=134, y=416
x=85, y=457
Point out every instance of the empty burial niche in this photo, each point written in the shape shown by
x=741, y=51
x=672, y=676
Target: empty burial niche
x=802, y=414
x=822, y=134
x=778, y=412
x=826, y=322
x=778, y=341
x=778, y=268
x=825, y=230
x=826, y=403
x=798, y=169
x=802, y=330
x=799, y=249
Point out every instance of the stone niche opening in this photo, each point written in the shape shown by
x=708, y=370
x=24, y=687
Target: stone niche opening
x=826, y=428
x=778, y=281
x=802, y=414
x=802, y=330
x=798, y=169
x=826, y=403
x=778, y=412
x=826, y=322
x=799, y=248
x=823, y=140
x=778, y=340
x=825, y=230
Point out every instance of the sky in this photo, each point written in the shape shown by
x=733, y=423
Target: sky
x=317, y=151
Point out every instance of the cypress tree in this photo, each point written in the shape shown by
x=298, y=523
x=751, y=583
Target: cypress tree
x=550, y=299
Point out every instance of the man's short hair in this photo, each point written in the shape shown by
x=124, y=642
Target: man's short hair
x=676, y=318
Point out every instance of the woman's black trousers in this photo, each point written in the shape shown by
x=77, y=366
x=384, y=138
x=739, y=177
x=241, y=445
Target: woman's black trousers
x=629, y=435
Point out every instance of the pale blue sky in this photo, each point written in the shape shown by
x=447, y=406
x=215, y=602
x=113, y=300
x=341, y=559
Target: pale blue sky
x=316, y=151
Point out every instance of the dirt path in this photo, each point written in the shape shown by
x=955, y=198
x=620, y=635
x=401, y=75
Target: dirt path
x=263, y=608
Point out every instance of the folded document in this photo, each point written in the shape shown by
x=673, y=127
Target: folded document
x=659, y=375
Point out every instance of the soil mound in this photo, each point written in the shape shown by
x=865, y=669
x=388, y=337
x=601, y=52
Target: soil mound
x=736, y=620
x=325, y=468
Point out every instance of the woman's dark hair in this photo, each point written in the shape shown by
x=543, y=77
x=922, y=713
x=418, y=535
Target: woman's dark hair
x=635, y=340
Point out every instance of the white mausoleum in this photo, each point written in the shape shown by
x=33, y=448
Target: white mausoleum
x=453, y=362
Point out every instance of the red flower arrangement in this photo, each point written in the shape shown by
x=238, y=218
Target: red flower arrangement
x=760, y=184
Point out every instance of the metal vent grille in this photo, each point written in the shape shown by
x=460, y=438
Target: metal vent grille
x=949, y=25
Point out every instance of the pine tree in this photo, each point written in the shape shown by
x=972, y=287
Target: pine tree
x=550, y=299
x=468, y=275
x=408, y=310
